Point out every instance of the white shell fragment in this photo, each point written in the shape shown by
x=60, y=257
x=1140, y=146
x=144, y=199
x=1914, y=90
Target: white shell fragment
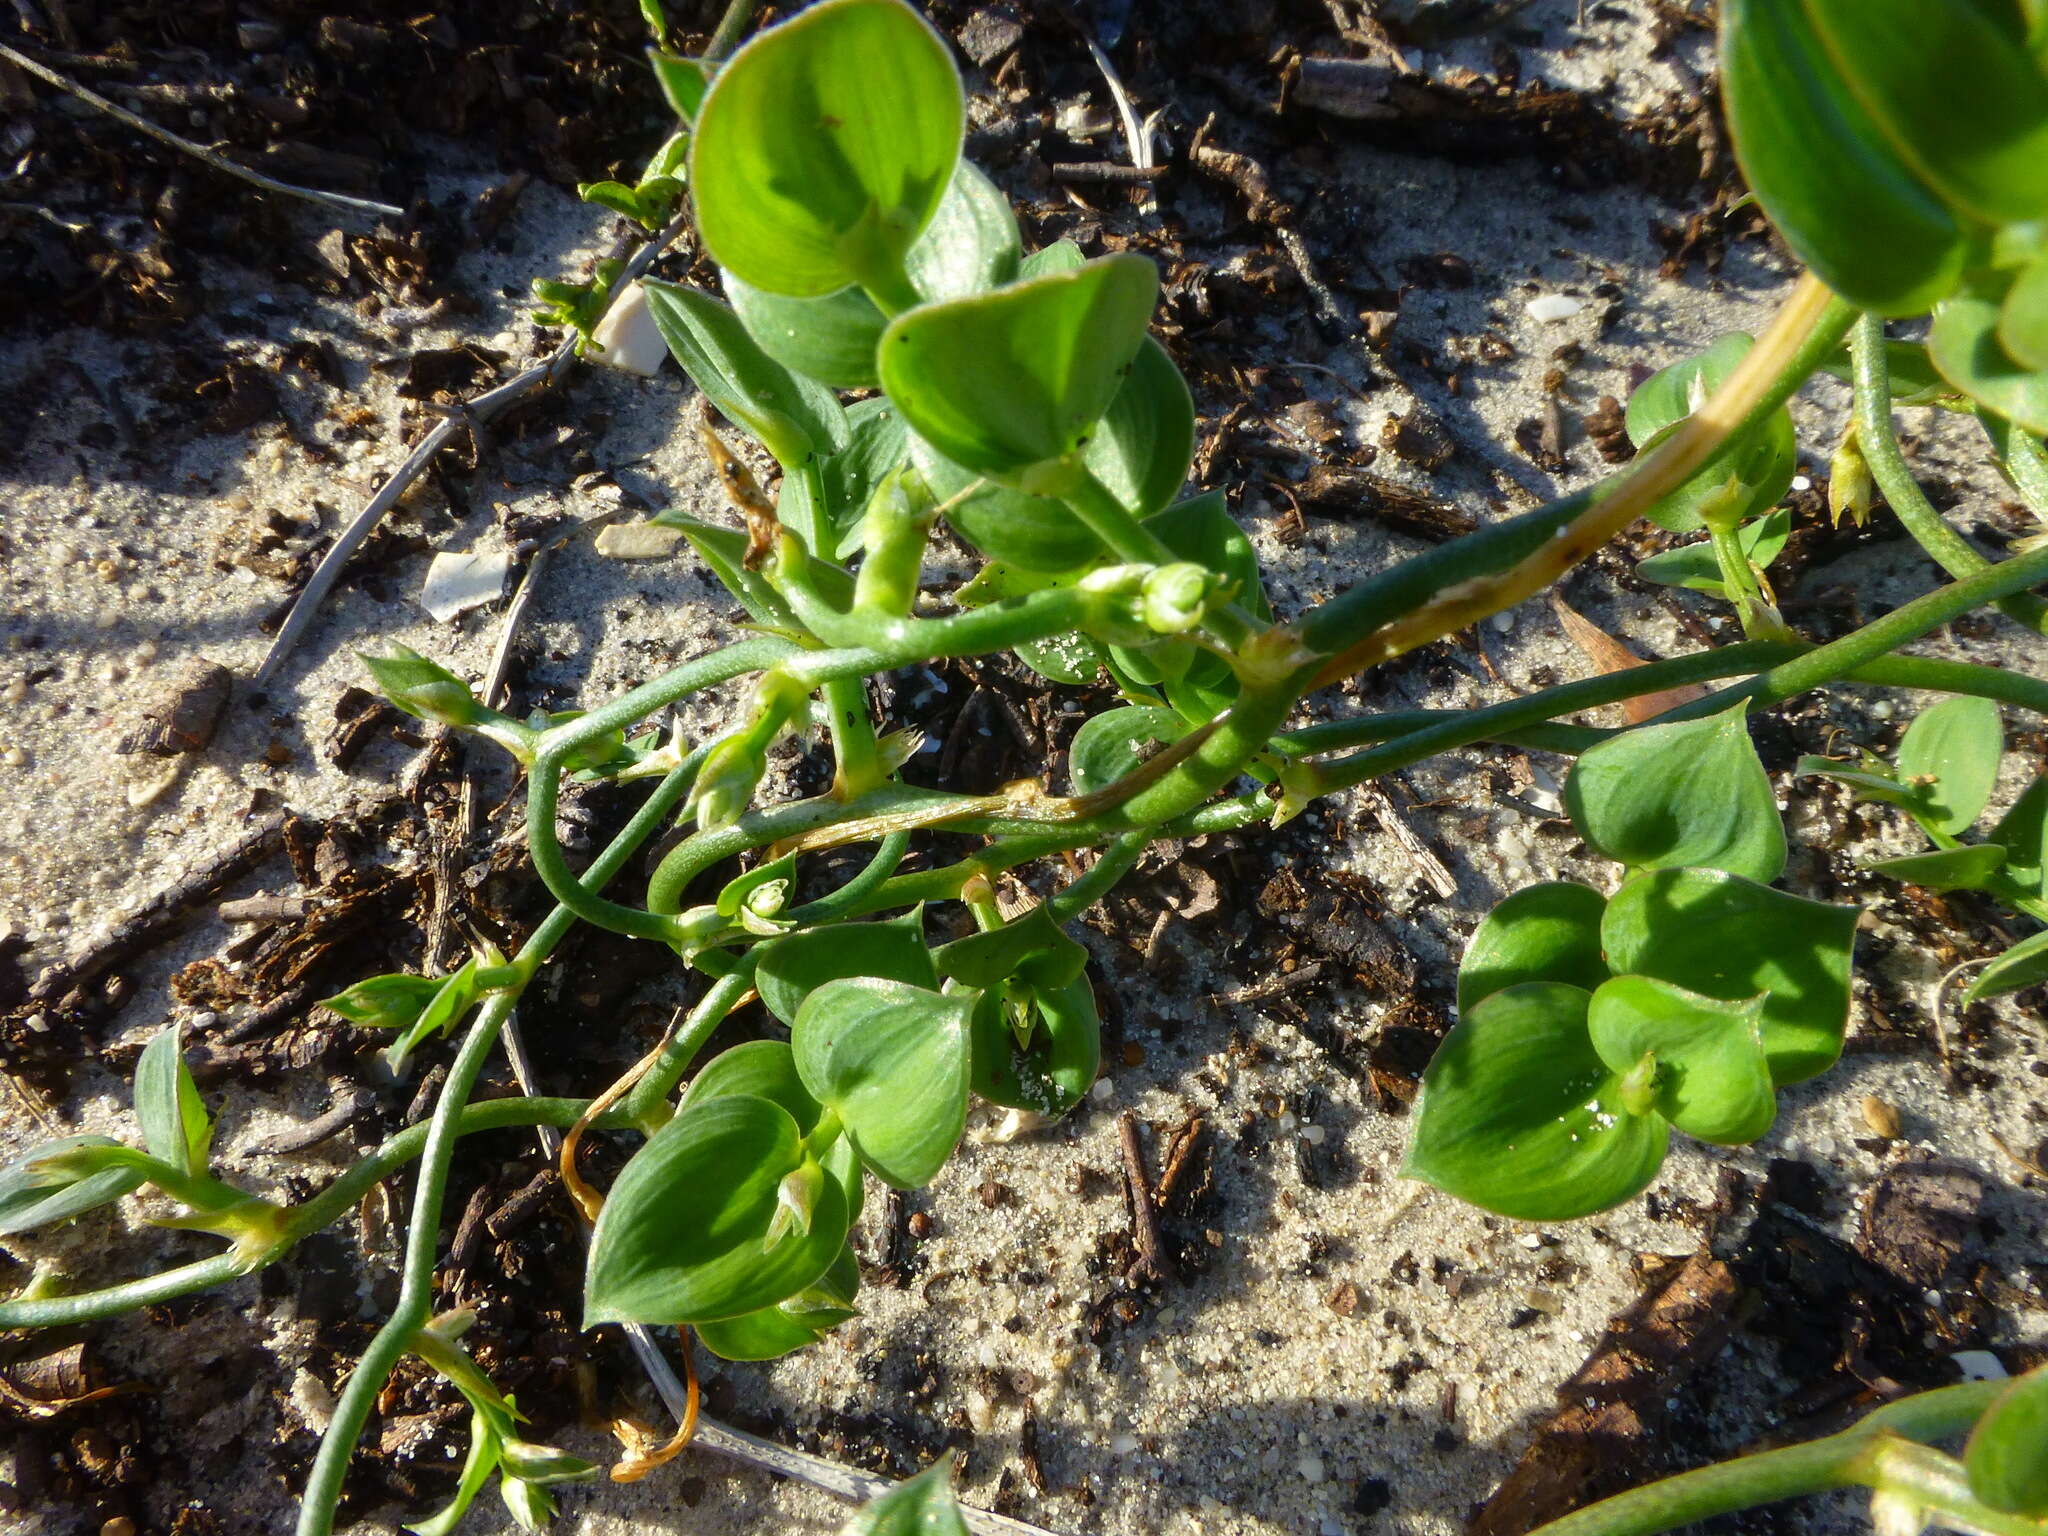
x=458, y=582
x=1979, y=1365
x=1554, y=306
x=628, y=336
x=636, y=541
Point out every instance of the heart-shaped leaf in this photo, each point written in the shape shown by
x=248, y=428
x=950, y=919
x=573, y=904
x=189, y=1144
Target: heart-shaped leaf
x=683, y=1235
x=1519, y=1115
x=1030, y=947
x=1969, y=868
x=795, y=418
x=52, y=1183
x=1698, y=1061
x=924, y=1506
x=1060, y=256
x=791, y=1325
x=793, y=967
x=2023, y=317
x=1729, y=938
x=760, y=1069
x=824, y=147
x=1011, y=384
x=1117, y=741
x=1050, y=1071
x=970, y=246
x=1760, y=463
x=2007, y=1457
x=1140, y=452
x=1824, y=171
x=1948, y=761
x=2024, y=965
x=1956, y=94
x=892, y=1059
x=1965, y=345
x=1689, y=794
x=1547, y=932
x=175, y=1126
x=1696, y=566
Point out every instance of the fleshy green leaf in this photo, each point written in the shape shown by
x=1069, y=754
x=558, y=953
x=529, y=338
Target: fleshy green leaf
x=969, y=247
x=1965, y=345
x=175, y=1125
x=1729, y=938
x=1914, y=379
x=892, y=1059
x=1116, y=741
x=1547, y=932
x=1146, y=438
x=682, y=1235
x=2007, y=1457
x=1011, y=384
x=791, y=1325
x=1957, y=96
x=1031, y=947
x=458, y=990
x=1948, y=760
x=2023, y=833
x=1050, y=1071
x=1760, y=463
x=1689, y=794
x=761, y=1069
x=924, y=1506
x=1520, y=1116
x=1060, y=256
x=795, y=418
x=1706, y=1074
x=1824, y=171
x=878, y=444
x=2025, y=964
x=1947, y=869
x=792, y=968
x=2023, y=317
x=1201, y=529
x=1695, y=565
x=824, y=147
x=36, y=1190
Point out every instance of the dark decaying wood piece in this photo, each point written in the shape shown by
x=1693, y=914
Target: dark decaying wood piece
x=1590, y=1447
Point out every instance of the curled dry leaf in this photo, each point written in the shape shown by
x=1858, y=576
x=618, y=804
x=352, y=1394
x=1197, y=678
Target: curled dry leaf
x=1608, y=655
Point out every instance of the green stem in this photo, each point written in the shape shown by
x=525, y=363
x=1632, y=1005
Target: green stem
x=1875, y=642
x=1839, y=1461
x=416, y=1289
x=1759, y=619
x=739, y=14
x=1888, y=467
x=1128, y=539
x=645, y=1104
x=301, y=1221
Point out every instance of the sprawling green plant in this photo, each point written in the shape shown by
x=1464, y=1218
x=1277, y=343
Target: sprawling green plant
x=1018, y=396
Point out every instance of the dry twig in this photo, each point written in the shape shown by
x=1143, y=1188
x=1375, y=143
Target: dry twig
x=197, y=151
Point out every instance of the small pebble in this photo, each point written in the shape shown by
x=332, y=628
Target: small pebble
x=14, y=757
x=1554, y=306
x=1882, y=1119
